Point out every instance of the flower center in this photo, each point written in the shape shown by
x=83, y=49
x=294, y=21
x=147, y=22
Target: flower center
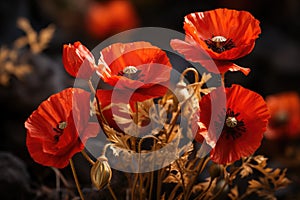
x=233, y=127
x=130, y=72
x=62, y=125
x=231, y=122
x=219, y=43
x=59, y=129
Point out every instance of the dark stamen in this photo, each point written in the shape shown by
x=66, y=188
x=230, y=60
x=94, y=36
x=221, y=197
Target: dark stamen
x=59, y=129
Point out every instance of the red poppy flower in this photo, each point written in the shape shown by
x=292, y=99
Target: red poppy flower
x=59, y=127
x=138, y=69
x=243, y=128
x=285, y=115
x=78, y=60
x=222, y=35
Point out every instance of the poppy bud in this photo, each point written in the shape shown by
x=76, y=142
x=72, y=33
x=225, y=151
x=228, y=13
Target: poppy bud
x=215, y=170
x=78, y=60
x=101, y=173
x=181, y=91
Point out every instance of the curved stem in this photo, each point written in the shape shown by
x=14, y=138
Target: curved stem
x=190, y=69
x=105, y=148
x=76, y=179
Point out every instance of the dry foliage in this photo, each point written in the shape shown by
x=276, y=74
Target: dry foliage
x=11, y=63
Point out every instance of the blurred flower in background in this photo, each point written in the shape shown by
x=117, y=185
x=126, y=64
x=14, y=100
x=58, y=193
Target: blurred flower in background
x=285, y=116
x=91, y=18
x=107, y=18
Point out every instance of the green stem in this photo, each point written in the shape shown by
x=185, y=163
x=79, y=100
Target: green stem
x=76, y=179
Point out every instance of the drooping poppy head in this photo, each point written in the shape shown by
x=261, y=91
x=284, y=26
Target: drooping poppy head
x=78, y=60
x=138, y=68
x=246, y=118
x=221, y=34
x=285, y=116
x=59, y=127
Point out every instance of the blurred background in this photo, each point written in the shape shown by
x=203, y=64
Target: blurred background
x=34, y=31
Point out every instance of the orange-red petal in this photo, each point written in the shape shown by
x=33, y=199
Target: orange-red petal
x=78, y=60
x=195, y=53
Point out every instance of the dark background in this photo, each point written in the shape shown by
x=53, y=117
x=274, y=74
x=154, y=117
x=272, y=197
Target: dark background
x=274, y=60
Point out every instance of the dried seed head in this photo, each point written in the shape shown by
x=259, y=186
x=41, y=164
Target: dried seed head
x=215, y=170
x=101, y=173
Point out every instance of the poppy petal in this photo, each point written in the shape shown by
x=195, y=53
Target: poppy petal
x=78, y=60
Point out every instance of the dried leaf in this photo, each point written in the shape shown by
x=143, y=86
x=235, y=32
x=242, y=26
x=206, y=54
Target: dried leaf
x=246, y=170
x=254, y=184
x=45, y=35
x=21, y=42
x=261, y=160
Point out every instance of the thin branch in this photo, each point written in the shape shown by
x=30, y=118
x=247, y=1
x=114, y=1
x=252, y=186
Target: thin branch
x=76, y=179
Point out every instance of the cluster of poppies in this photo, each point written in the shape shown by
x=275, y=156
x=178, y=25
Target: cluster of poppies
x=140, y=71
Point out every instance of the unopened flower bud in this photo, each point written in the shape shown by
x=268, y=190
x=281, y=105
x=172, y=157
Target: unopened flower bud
x=215, y=170
x=181, y=91
x=101, y=173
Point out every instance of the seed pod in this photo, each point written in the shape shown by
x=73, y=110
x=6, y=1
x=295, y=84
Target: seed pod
x=181, y=91
x=101, y=173
x=215, y=170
